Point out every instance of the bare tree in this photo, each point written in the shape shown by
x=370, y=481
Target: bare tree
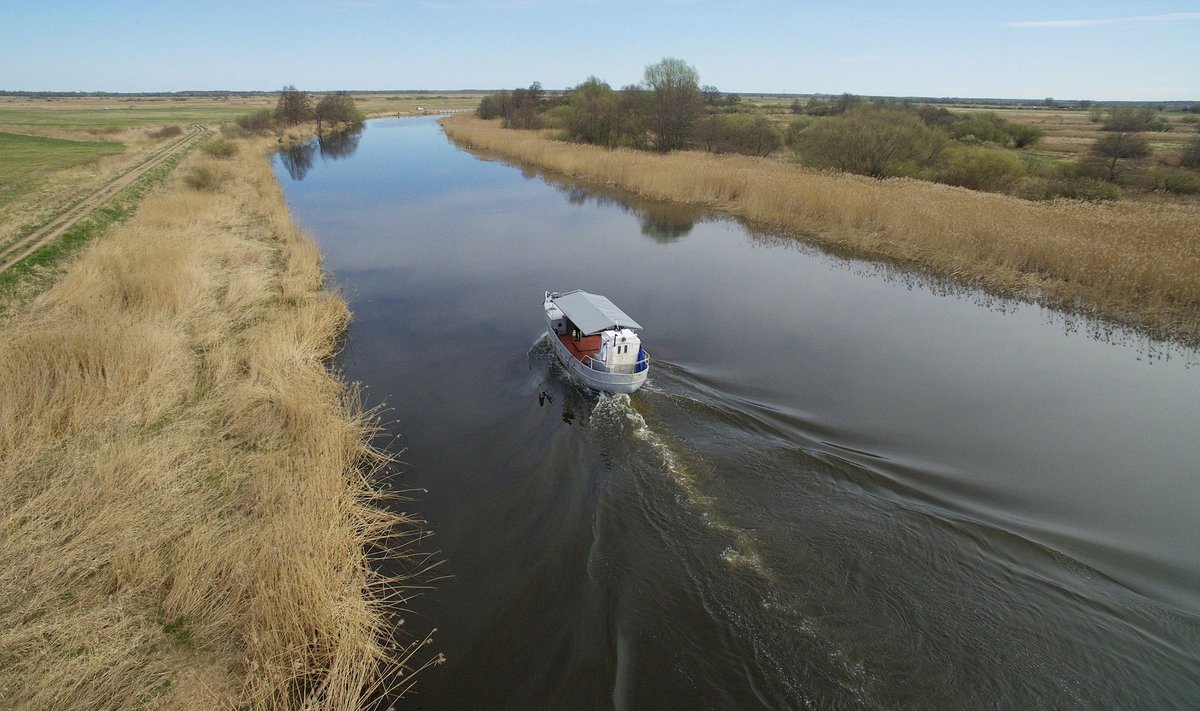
x=293, y=107
x=336, y=108
x=1117, y=146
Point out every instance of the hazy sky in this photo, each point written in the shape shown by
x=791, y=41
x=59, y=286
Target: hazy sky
x=1003, y=48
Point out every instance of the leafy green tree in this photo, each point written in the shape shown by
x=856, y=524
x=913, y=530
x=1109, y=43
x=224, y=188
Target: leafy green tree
x=878, y=142
x=293, y=107
x=676, y=102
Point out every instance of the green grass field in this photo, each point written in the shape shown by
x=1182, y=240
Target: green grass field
x=102, y=116
x=27, y=160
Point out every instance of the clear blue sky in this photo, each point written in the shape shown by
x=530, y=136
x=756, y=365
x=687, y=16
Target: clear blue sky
x=1099, y=50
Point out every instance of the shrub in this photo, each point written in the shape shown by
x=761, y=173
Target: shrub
x=167, y=132
x=791, y=136
x=1175, y=180
x=1070, y=187
x=1190, y=158
x=987, y=127
x=1117, y=146
x=979, y=168
x=738, y=133
x=1023, y=136
x=205, y=177
x=257, y=122
x=221, y=148
x=878, y=142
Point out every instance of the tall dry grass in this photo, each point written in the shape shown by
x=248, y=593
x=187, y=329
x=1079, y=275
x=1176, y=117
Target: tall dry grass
x=185, y=515
x=1136, y=263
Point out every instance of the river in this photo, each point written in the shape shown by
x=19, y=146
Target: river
x=844, y=485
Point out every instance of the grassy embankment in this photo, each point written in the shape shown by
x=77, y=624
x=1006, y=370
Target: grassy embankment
x=1135, y=263
x=185, y=518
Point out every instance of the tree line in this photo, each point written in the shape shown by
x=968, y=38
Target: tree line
x=295, y=107
x=670, y=110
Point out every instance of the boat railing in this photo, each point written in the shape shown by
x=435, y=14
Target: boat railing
x=599, y=366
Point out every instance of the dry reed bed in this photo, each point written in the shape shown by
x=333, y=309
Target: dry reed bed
x=184, y=510
x=1136, y=263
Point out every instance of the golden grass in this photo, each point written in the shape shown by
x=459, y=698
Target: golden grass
x=185, y=513
x=1136, y=263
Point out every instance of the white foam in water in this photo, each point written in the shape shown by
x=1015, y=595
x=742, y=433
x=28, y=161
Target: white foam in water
x=613, y=409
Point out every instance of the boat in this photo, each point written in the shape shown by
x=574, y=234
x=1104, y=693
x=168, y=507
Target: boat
x=596, y=341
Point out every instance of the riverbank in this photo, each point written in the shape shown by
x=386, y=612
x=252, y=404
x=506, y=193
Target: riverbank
x=1133, y=263
x=185, y=510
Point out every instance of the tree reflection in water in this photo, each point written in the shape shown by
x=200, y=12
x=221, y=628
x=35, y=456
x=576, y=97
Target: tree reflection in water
x=662, y=222
x=297, y=158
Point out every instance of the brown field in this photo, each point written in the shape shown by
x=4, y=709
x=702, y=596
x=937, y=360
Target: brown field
x=1132, y=262
x=185, y=511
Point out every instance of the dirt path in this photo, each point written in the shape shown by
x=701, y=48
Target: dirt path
x=15, y=252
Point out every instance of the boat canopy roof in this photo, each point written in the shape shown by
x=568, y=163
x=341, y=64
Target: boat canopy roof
x=592, y=313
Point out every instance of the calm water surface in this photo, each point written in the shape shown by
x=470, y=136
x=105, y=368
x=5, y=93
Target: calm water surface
x=841, y=488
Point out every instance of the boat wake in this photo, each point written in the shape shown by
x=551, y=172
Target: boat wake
x=687, y=472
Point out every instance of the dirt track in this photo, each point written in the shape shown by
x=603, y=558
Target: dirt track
x=14, y=253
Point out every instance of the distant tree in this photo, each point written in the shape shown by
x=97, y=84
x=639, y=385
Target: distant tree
x=731, y=100
x=493, y=106
x=1117, y=146
x=524, y=110
x=711, y=95
x=871, y=141
x=937, y=116
x=675, y=102
x=293, y=107
x=797, y=107
x=520, y=108
x=844, y=103
x=1131, y=119
x=1049, y=102
x=335, y=108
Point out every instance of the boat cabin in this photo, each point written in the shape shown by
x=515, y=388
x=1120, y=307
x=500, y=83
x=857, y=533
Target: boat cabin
x=595, y=332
